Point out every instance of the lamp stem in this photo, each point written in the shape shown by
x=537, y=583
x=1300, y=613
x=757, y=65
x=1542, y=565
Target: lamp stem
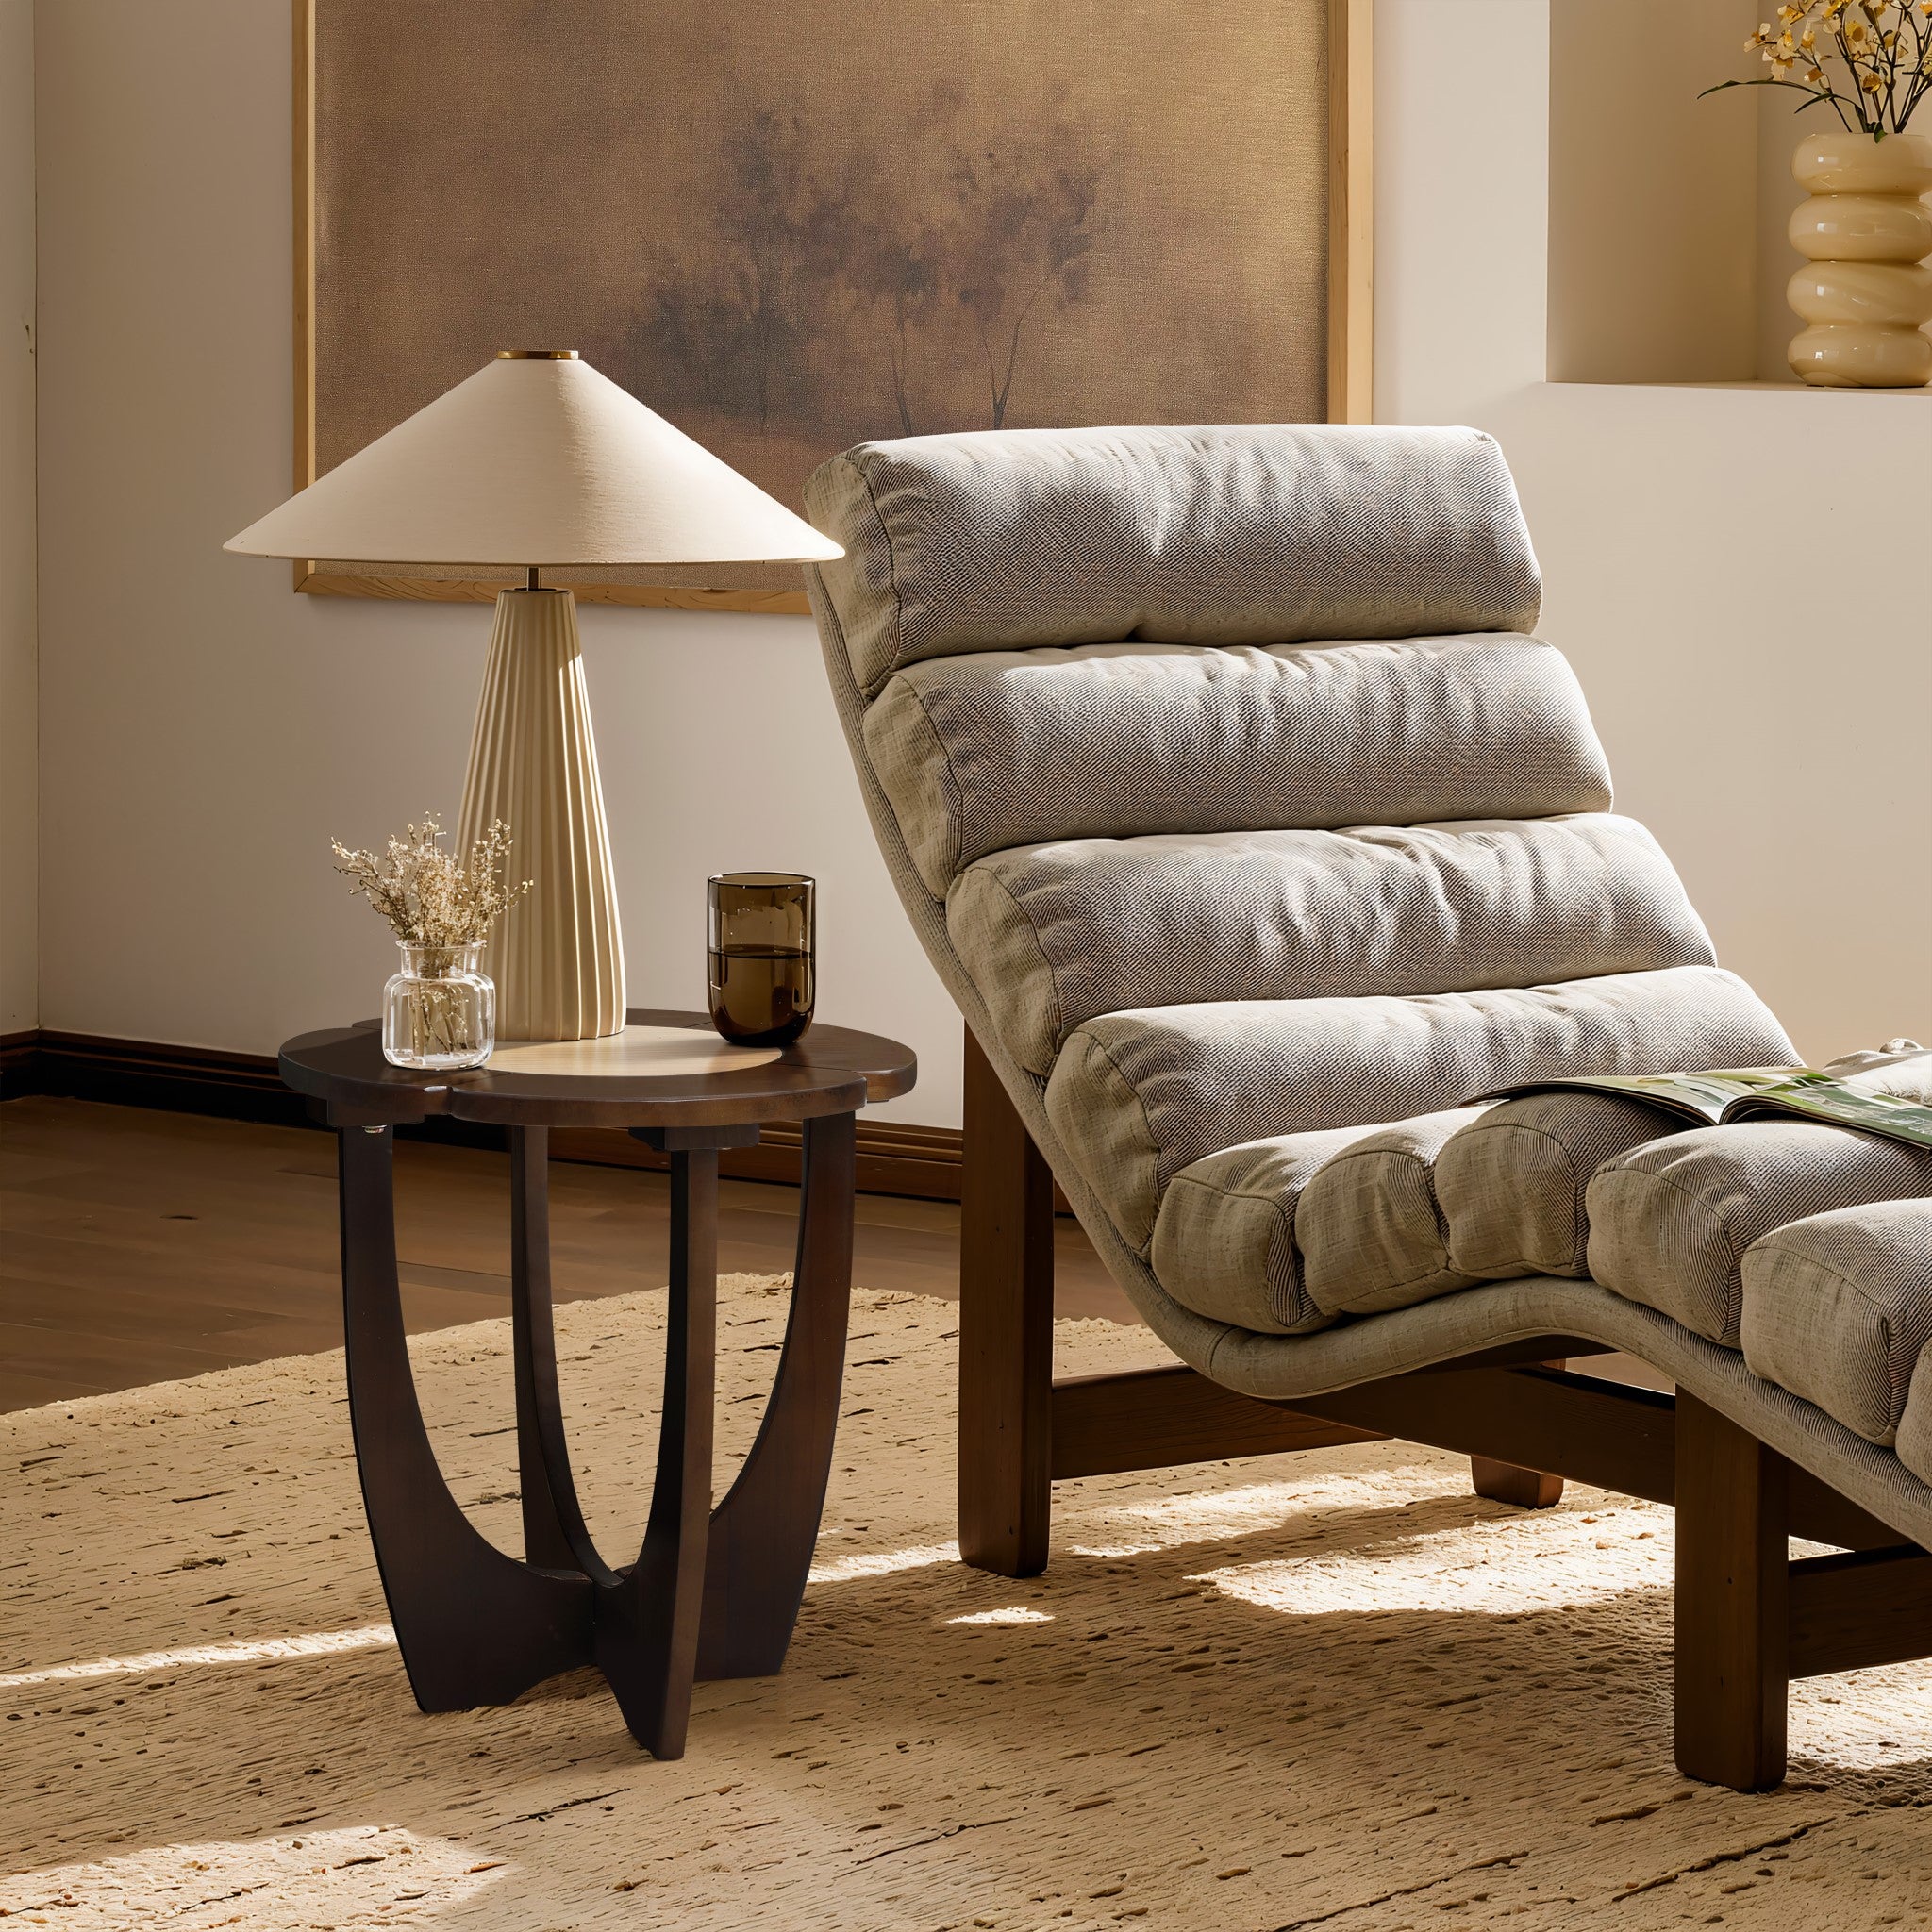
x=557, y=957
x=534, y=580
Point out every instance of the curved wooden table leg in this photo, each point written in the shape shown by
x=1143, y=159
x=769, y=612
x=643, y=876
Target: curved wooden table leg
x=765, y=1530
x=474, y=1626
x=647, y=1619
x=554, y=1533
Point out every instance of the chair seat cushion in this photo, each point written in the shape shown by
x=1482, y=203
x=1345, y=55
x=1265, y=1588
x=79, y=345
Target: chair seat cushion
x=1512, y=1183
x=1914, y=1442
x=1838, y=1309
x=1670, y=1222
x=980, y=753
x=1224, y=1242
x=1059, y=934
x=1369, y=1226
x=1134, y=1097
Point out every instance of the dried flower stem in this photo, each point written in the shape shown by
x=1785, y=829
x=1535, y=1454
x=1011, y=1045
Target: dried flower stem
x=427, y=897
x=442, y=1019
x=1872, y=59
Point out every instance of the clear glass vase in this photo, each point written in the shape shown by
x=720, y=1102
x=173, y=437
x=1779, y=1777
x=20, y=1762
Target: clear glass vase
x=439, y=1011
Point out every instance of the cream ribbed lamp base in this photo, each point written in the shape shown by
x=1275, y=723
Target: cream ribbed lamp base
x=557, y=957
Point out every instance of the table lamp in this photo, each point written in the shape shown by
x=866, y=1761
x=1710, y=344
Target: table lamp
x=539, y=462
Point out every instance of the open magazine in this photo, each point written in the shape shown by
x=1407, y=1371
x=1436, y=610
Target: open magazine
x=1752, y=1093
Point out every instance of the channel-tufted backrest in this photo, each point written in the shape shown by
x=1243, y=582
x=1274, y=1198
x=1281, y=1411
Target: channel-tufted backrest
x=1230, y=796
x=1067, y=634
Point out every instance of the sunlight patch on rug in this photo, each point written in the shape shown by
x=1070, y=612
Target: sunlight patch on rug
x=1137, y=1528
x=361, y=1875
x=1503, y=1566
x=882, y=1562
x=315, y=1643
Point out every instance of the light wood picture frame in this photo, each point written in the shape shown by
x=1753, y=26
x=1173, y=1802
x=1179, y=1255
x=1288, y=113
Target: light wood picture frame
x=1180, y=271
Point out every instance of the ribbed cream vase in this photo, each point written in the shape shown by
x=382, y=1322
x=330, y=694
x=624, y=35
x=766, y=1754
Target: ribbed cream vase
x=1865, y=289
x=557, y=956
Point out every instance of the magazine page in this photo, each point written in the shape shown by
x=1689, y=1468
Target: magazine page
x=1808, y=1095
x=1700, y=1097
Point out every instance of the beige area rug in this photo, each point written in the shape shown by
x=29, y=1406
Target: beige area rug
x=1331, y=1691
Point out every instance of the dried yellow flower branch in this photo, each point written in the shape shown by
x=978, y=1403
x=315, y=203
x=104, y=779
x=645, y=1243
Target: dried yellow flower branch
x=425, y=894
x=1870, y=60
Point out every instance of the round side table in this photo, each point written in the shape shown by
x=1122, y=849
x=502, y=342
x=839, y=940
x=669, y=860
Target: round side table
x=714, y=1592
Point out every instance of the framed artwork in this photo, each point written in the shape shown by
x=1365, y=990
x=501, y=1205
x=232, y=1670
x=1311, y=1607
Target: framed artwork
x=796, y=226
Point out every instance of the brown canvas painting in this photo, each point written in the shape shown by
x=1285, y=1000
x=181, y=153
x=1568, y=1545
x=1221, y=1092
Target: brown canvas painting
x=794, y=226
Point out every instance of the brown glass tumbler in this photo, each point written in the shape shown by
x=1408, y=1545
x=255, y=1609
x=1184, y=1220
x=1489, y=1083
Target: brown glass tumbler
x=763, y=971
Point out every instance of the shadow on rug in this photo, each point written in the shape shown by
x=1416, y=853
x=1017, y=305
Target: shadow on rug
x=1334, y=1690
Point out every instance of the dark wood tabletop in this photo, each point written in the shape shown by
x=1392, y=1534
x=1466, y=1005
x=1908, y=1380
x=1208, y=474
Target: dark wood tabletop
x=832, y=1070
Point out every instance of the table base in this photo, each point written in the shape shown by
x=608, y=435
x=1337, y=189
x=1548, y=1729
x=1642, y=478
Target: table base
x=714, y=1592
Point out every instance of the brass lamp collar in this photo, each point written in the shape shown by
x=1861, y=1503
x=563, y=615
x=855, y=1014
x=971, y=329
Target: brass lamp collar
x=536, y=355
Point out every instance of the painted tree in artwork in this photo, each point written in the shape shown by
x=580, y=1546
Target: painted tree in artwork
x=934, y=278
x=901, y=280
x=1021, y=240
x=723, y=333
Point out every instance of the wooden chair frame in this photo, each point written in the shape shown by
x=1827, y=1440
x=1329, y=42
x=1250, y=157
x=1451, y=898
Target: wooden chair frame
x=1748, y=1619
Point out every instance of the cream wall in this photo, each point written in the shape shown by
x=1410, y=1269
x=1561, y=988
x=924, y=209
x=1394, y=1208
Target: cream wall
x=205, y=731
x=18, y=764
x=1765, y=704
x=208, y=732
x=1654, y=193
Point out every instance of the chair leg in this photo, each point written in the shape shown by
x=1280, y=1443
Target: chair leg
x=1732, y=1608
x=1523, y=1489
x=1006, y=1332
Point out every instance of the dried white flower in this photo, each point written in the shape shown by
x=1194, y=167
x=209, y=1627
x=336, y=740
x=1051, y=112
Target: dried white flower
x=426, y=897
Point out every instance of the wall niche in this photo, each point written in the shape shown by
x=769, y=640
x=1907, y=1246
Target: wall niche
x=1668, y=251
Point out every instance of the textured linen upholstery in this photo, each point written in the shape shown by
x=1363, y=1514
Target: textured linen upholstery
x=1134, y=1097
x=1369, y=1226
x=977, y=753
x=1914, y=1440
x=1670, y=1222
x=1039, y=638
x=1902, y=1070
x=1838, y=1309
x=1311, y=915
x=996, y=540
x=1224, y=1243
x=1512, y=1184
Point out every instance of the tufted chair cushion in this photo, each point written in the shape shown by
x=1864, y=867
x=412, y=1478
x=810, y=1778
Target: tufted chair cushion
x=1370, y=1225
x=1087, y=926
x=996, y=540
x=1670, y=1222
x=1513, y=1186
x=1225, y=1243
x=1136, y=1098
x=980, y=754
x=1914, y=1439
x=1838, y=1309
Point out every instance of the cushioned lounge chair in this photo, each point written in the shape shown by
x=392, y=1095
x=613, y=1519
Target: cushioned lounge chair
x=1257, y=837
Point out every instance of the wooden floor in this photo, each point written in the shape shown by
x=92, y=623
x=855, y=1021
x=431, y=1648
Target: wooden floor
x=139, y=1246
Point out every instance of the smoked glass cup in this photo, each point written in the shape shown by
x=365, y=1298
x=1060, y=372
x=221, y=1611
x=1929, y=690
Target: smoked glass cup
x=763, y=978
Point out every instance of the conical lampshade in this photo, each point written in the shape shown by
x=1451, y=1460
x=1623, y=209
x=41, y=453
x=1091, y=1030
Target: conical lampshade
x=537, y=458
